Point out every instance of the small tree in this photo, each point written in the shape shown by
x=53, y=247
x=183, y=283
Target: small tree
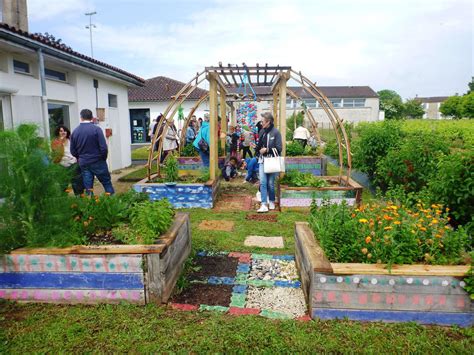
x=391, y=103
x=452, y=107
x=413, y=109
x=467, y=105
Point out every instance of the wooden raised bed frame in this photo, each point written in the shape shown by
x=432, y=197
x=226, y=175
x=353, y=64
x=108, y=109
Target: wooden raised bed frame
x=138, y=274
x=300, y=198
x=427, y=294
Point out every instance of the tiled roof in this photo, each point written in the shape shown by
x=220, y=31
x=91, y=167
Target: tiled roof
x=69, y=51
x=432, y=99
x=161, y=88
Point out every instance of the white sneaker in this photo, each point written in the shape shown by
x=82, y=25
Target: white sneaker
x=263, y=208
x=271, y=205
x=259, y=196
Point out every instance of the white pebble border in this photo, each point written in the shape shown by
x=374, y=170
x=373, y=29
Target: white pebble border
x=289, y=301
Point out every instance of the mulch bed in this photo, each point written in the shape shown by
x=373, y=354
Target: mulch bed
x=221, y=266
x=212, y=295
x=265, y=217
x=226, y=226
x=103, y=238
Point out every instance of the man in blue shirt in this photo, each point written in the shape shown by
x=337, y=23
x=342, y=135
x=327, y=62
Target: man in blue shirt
x=88, y=145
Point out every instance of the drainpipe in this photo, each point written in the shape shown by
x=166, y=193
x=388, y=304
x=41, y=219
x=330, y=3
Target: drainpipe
x=44, y=96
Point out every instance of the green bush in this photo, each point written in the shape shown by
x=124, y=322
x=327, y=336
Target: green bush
x=171, y=168
x=388, y=233
x=189, y=151
x=299, y=179
x=36, y=211
x=294, y=148
x=412, y=163
x=375, y=141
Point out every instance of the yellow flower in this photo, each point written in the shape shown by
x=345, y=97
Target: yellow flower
x=434, y=221
x=369, y=256
x=446, y=227
x=434, y=206
x=423, y=229
x=368, y=239
x=363, y=220
x=387, y=228
x=413, y=231
x=364, y=251
x=447, y=209
x=397, y=222
x=393, y=207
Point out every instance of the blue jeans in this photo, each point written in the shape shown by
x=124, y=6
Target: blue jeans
x=204, y=157
x=267, y=185
x=99, y=169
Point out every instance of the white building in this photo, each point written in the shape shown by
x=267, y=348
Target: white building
x=69, y=83
x=431, y=106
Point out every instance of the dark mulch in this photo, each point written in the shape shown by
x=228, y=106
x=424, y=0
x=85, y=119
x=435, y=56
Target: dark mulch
x=103, y=238
x=212, y=295
x=222, y=266
x=267, y=217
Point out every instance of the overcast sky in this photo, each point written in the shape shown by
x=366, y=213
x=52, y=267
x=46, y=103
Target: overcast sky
x=415, y=47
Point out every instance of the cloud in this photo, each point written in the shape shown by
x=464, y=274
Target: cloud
x=40, y=10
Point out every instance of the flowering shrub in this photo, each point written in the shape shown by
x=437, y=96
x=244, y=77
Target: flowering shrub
x=388, y=233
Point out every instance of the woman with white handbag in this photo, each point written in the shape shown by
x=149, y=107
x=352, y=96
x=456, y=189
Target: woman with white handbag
x=271, y=164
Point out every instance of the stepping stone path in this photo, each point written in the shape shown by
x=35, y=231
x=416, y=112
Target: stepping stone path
x=226, y=226
x=263, y=242
x=244, y=283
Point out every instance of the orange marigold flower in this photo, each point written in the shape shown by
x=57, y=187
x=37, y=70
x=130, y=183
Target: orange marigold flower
x=423, y=229
x=434, y=221
x=438, y=235
x=397, y=222
x=434, y=206
x=387, y=218
x=353, y=215
x=447, y=209
x=363, y=220
x=368, y=239
x=387, y=228
x=364, y=251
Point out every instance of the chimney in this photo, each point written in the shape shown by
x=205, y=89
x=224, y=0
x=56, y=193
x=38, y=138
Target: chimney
x=14, y=13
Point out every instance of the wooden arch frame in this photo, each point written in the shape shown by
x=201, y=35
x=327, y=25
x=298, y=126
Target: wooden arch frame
x=276, y=77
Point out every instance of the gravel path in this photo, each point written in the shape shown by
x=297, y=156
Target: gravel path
x=289, y=301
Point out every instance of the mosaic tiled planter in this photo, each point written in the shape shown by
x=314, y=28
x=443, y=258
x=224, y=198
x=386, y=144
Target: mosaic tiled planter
x=307, y=164
x=193, y=165
x=98, y=274
x=181, y=195
x=369, y=292
x=302, y=197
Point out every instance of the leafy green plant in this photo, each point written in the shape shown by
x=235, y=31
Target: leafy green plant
x=388, y=233
x=299, y=179
x=205, y=176
x=35, y=211
x=171, y=168
x=469, y=279
x=147, y=221
x=189, y=151
x=294, y=148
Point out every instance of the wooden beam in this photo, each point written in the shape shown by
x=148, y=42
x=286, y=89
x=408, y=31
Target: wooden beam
x=282, y=113
x=407, y=270
x=213, y=158
x=315, y=254
x=233, y=120
x=275, y=108
x=223, y=121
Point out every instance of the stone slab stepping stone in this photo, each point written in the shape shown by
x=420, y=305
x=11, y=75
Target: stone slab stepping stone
x=263, y=242
x=226, y=226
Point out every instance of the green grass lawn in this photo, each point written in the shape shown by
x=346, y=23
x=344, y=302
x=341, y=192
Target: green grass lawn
x=138, y=174
x=140, y=153
x=27, y=328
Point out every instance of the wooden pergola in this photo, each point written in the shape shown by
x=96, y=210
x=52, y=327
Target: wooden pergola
x=224, y=85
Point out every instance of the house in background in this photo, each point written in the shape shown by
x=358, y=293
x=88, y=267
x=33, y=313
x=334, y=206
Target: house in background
x=48, y=84
x=431, y=106
x=147, y=102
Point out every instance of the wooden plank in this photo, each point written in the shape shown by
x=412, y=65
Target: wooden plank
x=94, y=249
x=311, y=248
x=85, y=280
x=407, y=270
x=168, y=238
x=441, y=318
x=213, y=126
x=223, y=120
x=73, y=296
x=154, y=282
x=282, y=113
x=71, y=263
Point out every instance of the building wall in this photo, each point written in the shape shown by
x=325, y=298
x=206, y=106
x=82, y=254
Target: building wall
x=432, y=110
x=24, y=92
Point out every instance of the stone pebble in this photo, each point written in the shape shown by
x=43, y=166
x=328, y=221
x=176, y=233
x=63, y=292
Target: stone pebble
x=288, y=301
x=273, y=269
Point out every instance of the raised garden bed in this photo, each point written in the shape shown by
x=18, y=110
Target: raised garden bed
x=193, y=165
x=181, y=195
x=370, y=292
x=138, y=274
x=307, y=164
x=302, y=197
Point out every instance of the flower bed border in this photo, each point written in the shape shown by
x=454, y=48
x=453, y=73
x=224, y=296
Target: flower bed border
x=192, y=166
x=427, y=294
x=180, y=195
x=316, y=165
x=138, y=274
x=300, y=198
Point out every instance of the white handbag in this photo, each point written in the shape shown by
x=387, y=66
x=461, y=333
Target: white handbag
x=275, y=164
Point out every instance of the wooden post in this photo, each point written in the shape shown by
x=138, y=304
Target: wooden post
x=282, y=113
x=233, y=120
x=223, y=119
x=275, y=107
x=213, y=156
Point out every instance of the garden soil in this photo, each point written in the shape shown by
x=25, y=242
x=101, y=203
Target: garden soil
x=206, y=266
x=212, y=295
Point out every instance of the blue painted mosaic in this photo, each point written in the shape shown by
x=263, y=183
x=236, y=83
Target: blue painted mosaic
x=179, y=195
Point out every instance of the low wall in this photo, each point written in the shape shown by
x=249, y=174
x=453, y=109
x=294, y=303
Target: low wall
x=98, y=274
x=302, y=197
x=193, y=165
x=369, y=292
x=180, y=195
x=307, y=164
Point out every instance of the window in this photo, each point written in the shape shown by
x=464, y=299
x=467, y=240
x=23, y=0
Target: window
x=336, y=102
x=310, y=103
x=54, y=75
x=354, y=103
x=21, y=67
x=58, y=115
x=289, y=103
x=113, y=100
